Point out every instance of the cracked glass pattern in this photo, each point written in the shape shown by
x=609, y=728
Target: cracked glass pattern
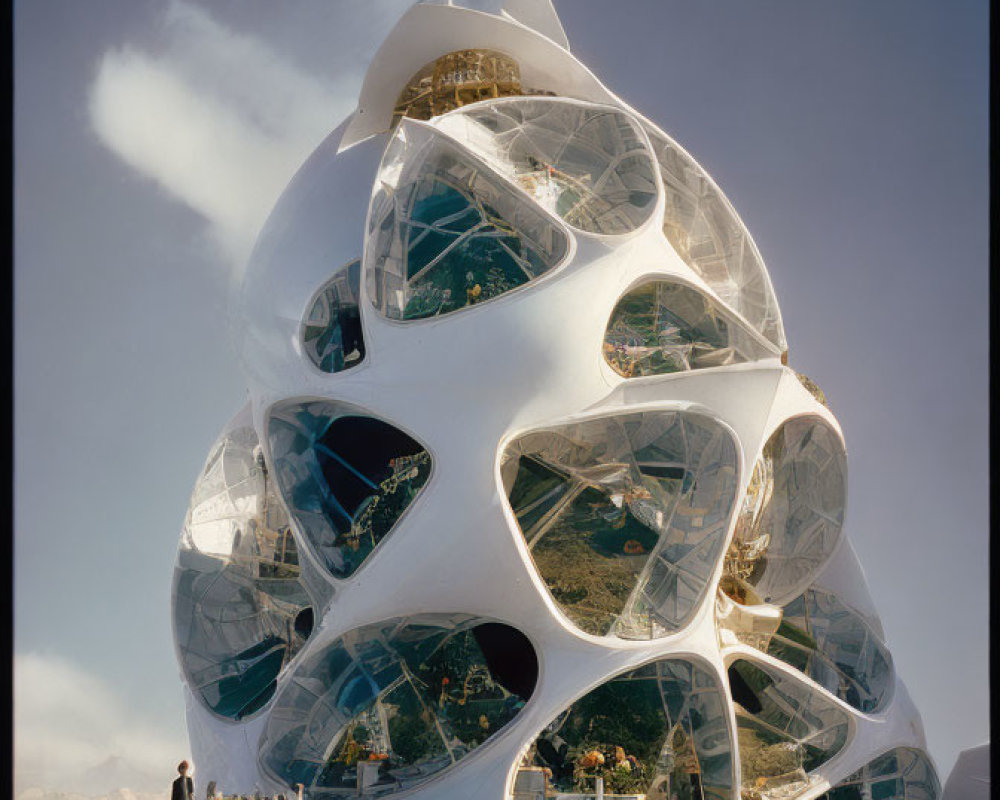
x=661, y=327
x=331, y=332
x=386, y=706
x=446, y=232
x=792, y=514
x=705, y=231
x=585, y=163
x=659, y=732
x=240, y=611
x=346, y=476
x=901, y=774
x=785, y=730
x=625, y=516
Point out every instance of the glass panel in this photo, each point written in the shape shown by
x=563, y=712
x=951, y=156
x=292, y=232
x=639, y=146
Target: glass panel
x=625, y=516
x=828, y=641
x=792, y=513
x=587, y=164
x=661, y=327
x=785, y=730
x=832, y=644
x=387, y=705
x=446, y=233
x=658, y=732
x=346, y=477
x=900, y=774
x=332, y=334
x=703, y=228
x=240, y=611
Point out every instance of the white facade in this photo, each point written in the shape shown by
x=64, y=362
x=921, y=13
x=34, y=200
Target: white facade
x=520, y=420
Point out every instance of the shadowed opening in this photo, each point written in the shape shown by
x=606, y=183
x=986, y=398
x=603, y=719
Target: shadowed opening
x=509, y=656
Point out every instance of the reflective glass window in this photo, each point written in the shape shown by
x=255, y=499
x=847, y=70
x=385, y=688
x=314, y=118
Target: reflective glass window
x=447, y=233
x=240, y=611
x=785, y=730
x=625, y=516
x=832, y=644
x=662, y=326
x=828, y=641
x=901, y=774
x=793, y=511
x=388, y=705
x=659, y=732
x=587, y=164
x=331, y=333
x=703, y=228
x=347, y=477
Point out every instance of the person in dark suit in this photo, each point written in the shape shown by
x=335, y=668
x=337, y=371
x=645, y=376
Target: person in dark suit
x=183, y=787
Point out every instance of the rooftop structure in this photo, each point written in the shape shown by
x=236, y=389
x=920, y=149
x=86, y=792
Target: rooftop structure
x=526, y=502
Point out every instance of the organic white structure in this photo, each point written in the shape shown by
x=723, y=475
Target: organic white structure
x=525, y=500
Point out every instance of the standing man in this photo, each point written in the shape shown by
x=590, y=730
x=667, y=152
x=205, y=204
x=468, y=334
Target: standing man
x=183, y=787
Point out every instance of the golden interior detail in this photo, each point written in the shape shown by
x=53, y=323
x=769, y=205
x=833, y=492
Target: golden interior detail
x=748, y=549
x=457, y=79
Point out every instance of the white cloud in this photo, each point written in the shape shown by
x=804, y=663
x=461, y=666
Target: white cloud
x=218, y=119
x=67, y=722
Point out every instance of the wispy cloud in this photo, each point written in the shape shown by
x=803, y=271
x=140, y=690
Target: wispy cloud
x=68, y=721
x=217, y=118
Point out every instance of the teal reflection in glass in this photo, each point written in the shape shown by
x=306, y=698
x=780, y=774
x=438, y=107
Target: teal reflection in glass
x=240, y=610
x=658, y=732
x=386, y=706
x=332, y=334
x=346, y=477
x=446, y=233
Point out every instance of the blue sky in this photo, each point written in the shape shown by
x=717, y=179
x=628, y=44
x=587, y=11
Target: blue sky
x=151, y=139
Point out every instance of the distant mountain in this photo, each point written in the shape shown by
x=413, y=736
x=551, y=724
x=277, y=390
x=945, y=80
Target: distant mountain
x=35, y=793
x=113, y=779
x=115, y=772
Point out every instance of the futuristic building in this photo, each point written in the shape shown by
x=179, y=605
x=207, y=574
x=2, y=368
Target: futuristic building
x=526, y=502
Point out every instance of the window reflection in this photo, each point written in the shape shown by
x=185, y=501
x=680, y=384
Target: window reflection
x=703, y=228
x=792, y=514
x=823, y=638
x=785, y=730
x=585, y=163
x=240, y=611
x=901, y=774
x=446, y=233
x=658, y=732
x=332, y=334
x=625, y=516
x=831, y=644
x=662, y=327
x=388, y=705
x=346, y=477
